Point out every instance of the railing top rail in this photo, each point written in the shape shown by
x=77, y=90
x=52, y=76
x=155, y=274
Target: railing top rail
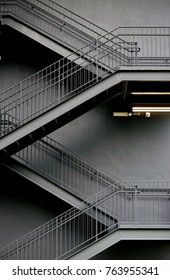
x=142, y=30
x=140, y=27
x=149, y=181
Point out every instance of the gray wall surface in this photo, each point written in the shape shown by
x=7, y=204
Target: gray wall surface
x=111, y=14
x=130, y=148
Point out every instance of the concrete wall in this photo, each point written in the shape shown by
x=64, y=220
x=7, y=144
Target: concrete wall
x=110, y=14
x=131, y=148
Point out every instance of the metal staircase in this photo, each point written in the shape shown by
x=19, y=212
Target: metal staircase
x=80, y=228
x=69, y=171
x=58, y=94
x=70, y=87
x=73, y=85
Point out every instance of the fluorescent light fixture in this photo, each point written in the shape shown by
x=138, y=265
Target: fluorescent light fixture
x=142, y=111
x=150, y=93
x=125, y=114
x=121, y=114
x=151, y=109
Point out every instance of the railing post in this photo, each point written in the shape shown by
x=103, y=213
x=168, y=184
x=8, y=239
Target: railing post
x=96, y=219
x=20, y=115
x=135, y=60
x=0, y=28
x=133, y=207
x=1, y=121
x=0, y=12
x=97, y=48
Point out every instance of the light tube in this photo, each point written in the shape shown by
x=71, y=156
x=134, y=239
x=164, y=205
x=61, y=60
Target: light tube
x=150, y=93
x=151, y=109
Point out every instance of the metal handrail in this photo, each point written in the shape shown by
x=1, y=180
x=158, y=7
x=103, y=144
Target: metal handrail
x=153, y=42
x=66, y=13
x=150, y=185
x=61, y=240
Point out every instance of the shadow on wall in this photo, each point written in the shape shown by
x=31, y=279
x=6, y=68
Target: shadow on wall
x=21, y=57
x=24, y=206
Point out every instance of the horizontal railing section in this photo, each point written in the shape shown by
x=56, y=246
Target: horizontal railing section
x=57, y=83
x=67, y=169
x=141, y=185
x=79, y=228
x=153, y=42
